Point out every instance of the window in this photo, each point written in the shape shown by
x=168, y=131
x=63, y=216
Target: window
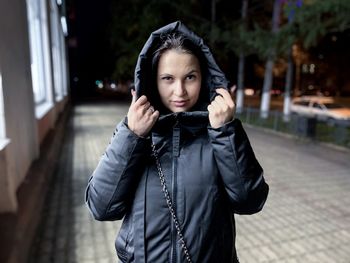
x=333, y=106
x=302, y=103
x=58, y=53
x=317, y=106
x=64, y=65
x=55, y=50
x=3, y=140
x=2, y=117
x=39, y=50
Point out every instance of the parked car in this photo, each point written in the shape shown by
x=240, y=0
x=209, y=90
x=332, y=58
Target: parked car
x=322, y=108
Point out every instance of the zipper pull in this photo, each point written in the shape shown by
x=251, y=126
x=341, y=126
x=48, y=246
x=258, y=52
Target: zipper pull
x=176, y=136
x=176, y=141
x=176, y=117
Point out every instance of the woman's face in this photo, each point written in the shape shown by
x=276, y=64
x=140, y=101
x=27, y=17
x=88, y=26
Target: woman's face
x=178, y=80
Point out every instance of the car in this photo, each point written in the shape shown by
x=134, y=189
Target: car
x=322, y=108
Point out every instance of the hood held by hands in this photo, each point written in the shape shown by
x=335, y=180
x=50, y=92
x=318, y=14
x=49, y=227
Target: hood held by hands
x=145, y=76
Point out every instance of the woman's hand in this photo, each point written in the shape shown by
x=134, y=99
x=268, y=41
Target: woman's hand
x=221, y=109
x=141, y=115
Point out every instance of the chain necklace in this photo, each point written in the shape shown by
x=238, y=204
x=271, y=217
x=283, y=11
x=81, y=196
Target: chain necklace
x=170, y=205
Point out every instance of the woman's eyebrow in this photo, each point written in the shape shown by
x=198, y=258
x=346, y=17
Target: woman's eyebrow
x=165, y=75
x=170, y=75
x=192, y=71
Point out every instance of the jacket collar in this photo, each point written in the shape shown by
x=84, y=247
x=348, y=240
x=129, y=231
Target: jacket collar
x=193, y=122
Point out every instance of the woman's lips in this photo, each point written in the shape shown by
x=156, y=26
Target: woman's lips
x=179, y=103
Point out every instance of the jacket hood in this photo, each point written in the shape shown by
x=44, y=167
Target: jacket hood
x=144, y=79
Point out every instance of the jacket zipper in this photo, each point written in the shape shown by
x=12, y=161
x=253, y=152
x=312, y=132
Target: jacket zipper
x=176, y=151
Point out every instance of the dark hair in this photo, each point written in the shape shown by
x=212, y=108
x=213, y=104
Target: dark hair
x=178, y=42
x=172, y=41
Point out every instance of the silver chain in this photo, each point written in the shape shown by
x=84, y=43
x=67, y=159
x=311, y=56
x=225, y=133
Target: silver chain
x=170, y=205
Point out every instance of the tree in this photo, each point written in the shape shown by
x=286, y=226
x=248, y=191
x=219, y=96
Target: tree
x=265, y=100
x=134, y=20
x=240, y=74
x=229, y=34
x=290, y=8
x=316, y=19
x=311, y=22
x=308, y=24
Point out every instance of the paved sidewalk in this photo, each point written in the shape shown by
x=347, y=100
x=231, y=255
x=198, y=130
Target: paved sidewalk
x=306, y=217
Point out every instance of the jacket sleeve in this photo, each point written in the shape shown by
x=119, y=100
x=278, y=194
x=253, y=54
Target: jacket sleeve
x=241, y=173
x=112, y=185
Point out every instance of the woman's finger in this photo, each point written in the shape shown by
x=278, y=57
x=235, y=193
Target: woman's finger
x=222, y=104
x=141, y=101
x=226, y=95
x=144, y=107
x=216, y=107
x=155, y=115
x=221, y=101
x=233, y=90
x=149, y=110
x=133, y=94
x=153, y=118
x=210, y=108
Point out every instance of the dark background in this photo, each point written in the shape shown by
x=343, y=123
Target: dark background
x=106, y=36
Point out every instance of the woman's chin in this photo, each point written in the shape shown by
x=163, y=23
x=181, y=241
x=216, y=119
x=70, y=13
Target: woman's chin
x=179, y=109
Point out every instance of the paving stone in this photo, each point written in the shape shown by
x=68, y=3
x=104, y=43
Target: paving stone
x=306, y=217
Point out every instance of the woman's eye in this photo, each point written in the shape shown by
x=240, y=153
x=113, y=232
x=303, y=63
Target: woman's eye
x=191, y=77
x=167, y=78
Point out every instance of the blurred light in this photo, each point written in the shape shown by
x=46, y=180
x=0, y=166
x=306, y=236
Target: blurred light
x=75, y=79
x=305, y=68
x=320, y=56
x=276, y=92
x=249, y=92
x=64, y=25
x=310, y=87
x=312, y=68
x=59, y=2
x=99, y=84
x=334, y=38
x=113, y=86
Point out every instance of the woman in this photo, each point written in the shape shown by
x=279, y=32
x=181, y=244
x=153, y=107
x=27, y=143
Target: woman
x=201, y=153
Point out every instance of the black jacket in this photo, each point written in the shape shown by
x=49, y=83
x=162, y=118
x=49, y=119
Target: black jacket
x=210, y=174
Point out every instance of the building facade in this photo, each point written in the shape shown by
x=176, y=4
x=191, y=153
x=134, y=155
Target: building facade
x=33, y=87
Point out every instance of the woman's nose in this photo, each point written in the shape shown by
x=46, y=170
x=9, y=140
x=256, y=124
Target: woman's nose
x=179, y=89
